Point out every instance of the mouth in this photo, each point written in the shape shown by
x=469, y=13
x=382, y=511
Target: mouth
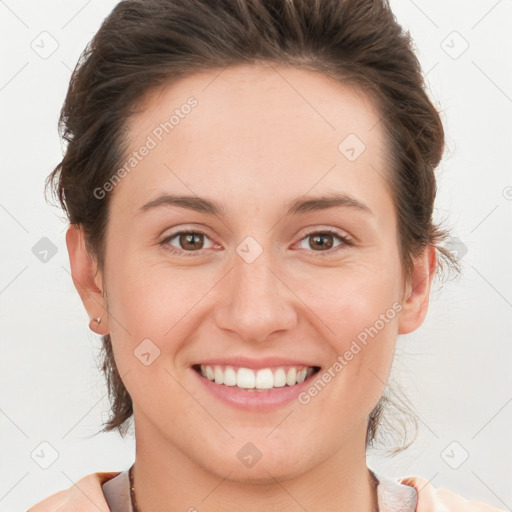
x=255, y=380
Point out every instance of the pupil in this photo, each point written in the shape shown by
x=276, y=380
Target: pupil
x=189, y=239
x=326, y=245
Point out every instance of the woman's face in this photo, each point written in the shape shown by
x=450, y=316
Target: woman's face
x=263, y=286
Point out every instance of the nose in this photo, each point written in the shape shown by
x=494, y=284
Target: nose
x=256, y=303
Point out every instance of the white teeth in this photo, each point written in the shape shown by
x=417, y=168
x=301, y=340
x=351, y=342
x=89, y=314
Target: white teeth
x=249, y=379
x=264, y=379
x=291, y=377
x=245, y=378
x=219, y=376
x=229, y=377
x=279, y=378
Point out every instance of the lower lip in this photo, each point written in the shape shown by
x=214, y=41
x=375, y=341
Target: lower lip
x=258, y=401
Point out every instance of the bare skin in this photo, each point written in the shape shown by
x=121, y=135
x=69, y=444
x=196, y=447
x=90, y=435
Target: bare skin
x=253, y=145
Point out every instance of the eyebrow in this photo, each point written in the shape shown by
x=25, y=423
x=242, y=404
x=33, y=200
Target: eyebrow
x=299, y=206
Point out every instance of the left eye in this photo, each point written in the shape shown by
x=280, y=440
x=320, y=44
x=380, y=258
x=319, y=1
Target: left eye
x=323, y=240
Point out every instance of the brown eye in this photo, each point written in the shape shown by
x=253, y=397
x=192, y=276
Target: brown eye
x=187, y=243
x=324, y=241
x=191, y=241
x=321, y=241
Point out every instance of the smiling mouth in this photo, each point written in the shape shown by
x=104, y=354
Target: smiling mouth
x=256, y=380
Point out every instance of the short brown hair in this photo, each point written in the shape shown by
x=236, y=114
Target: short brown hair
x=144, y=44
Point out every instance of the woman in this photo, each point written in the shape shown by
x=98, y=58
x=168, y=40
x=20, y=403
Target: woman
x=250, y=187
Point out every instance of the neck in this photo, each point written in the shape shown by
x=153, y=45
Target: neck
x=166, y=480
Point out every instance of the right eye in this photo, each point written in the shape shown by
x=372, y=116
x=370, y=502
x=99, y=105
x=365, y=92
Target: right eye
x=189, y=242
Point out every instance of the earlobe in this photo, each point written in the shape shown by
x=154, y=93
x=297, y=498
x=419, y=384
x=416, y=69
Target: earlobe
x=87, y=279
x=416, y=299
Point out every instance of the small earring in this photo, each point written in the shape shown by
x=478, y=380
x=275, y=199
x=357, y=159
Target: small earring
x=94, y=323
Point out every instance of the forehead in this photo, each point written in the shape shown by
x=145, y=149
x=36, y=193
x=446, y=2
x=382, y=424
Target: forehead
x=254, y=126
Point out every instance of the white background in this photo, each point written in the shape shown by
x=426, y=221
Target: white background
x=455, y=368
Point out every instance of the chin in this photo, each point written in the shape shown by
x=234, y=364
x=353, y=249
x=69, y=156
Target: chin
x=264, y=474
x=269, y=468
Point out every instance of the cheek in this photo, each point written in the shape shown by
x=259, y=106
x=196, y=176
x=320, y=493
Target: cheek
x=357, y=311
x=154, y=313
x=151, y=299
x=347, y=300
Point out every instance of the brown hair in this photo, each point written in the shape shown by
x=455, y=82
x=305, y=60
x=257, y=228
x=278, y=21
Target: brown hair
x=145, y=44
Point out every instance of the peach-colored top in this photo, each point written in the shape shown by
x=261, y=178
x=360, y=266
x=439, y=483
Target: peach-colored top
x=392, y=495
x=90, y=493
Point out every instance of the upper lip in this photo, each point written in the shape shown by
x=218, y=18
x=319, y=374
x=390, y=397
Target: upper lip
x=262, y=362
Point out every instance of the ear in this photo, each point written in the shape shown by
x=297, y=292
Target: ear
x=417, y=293
x=87, y=279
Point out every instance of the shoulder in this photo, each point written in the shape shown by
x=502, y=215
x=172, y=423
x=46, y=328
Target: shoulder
x=431, y=499
x=85, y=494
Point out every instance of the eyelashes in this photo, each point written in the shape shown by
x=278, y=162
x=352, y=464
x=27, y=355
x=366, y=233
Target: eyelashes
x=345, y=241
x=318, y=233
x=184, y=252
